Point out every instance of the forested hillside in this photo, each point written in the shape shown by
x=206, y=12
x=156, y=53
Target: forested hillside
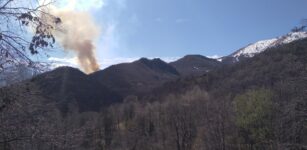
x=258, y=103
x=219, y=75
x=265, y=97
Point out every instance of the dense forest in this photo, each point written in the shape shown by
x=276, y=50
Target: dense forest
x=252, y=99
x=258, y=103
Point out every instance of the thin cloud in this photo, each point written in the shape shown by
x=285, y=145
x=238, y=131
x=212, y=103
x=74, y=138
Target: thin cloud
x=134, y=19
x=158, y=19
x=214, y=56
x=59, y=62
x=181, y=20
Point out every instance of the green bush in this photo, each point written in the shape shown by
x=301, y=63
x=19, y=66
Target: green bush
x=253, y=115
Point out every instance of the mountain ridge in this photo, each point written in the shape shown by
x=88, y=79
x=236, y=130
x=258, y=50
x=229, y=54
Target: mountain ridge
x=113, y=84
x=260, y=46
x=67, y=85
x=194, y=65
x=139, y=76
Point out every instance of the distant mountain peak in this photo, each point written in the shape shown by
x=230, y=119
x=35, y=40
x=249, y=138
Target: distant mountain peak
x=140, y=76
x=64, y=70
x=157, y=64
x=147, y=60
x=195, y=56
x=253, y=49
x=194, y=65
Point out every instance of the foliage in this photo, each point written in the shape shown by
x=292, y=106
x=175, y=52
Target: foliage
x=254, y=114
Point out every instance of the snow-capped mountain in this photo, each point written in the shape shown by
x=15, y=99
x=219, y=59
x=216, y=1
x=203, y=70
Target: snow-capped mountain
x=260, y=46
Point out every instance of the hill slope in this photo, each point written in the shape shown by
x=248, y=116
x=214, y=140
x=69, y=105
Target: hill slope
x=284, y=63
x=281, y=71
x=137, y=77
x=67, y=86
x=195, y=65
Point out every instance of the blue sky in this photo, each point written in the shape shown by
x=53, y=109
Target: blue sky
x=174, y=28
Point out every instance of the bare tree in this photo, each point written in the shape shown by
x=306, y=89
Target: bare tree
x=299, y=28
x=16, y=42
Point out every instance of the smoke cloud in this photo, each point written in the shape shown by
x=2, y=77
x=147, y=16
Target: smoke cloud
x=77, y=32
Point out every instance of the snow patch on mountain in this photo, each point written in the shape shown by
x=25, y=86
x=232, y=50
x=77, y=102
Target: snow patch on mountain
x=255, y=48
x=260, y=46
